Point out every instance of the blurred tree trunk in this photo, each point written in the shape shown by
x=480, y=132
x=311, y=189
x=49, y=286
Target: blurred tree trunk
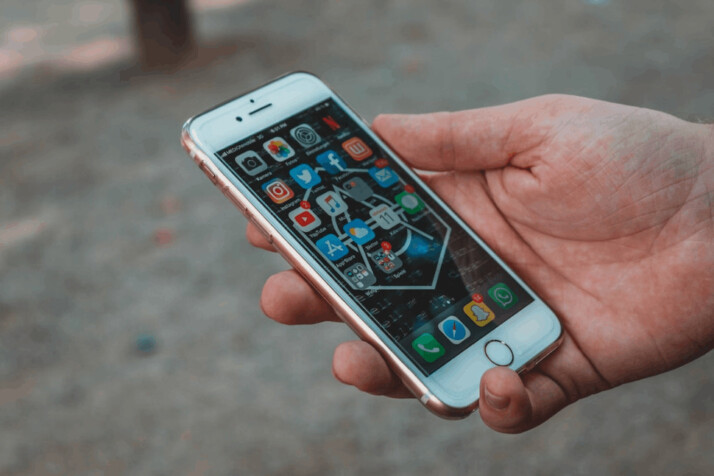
x=164, y=35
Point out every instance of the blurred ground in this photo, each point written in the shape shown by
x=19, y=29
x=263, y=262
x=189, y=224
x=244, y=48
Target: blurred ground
x=108, y=232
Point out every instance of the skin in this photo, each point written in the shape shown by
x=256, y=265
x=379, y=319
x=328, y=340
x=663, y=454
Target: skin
x=605, y=211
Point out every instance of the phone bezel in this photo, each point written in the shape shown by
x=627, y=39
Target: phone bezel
x=455, y=386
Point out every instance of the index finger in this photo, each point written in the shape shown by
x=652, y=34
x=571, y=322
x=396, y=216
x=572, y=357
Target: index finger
x=476, y=139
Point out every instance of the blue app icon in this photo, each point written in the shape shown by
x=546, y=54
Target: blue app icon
x=359, y=231
x=305, y=176
x=454, y=330
x=385, y=177
x=331, y=247
x=332, y=162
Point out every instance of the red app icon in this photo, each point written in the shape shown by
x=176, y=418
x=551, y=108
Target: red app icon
x=305, y=219
x=331, y=122
x=278, y=191
x=357, y=149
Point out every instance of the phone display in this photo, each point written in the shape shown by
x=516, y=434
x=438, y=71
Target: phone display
x=413, y=269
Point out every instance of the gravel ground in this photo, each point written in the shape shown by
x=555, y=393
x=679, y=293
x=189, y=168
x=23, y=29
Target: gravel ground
x=109, y=235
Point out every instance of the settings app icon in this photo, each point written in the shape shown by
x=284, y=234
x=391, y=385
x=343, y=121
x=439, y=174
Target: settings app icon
x=305, y=135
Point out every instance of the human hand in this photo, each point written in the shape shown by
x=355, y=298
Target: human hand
x=604, y=210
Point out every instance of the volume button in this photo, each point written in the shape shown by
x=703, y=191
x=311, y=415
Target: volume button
x=211, y=176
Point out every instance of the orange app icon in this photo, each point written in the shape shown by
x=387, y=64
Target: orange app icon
x=357, y=149
x=479, y=312
x=278, y=191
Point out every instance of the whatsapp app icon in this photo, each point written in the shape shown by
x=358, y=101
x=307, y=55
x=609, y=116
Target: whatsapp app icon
x=503, y=296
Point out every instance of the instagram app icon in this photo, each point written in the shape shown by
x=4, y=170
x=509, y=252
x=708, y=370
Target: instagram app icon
x=278, y=191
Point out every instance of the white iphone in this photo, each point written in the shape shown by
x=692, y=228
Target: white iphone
x=394, y=261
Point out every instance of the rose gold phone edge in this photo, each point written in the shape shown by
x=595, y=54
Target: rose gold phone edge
x=341, y=308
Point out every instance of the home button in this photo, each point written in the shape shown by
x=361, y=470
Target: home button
x=498, y=352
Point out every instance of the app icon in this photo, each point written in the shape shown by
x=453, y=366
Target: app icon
x=359, y=231
x=357, y=189
x=278, y=191
x=384, y=216
x=278, y=149
x=305, y=176
x=331, y=247
x=409, y=202
x=454, y=330
x=479, y=312
x=359, y=276
x=332, y=124
x=385, y=176
x=251, y=163
x=428, y=347
x=503, y=295
x=386, y=260
x=305, y=135
x=332, y=162
x=357, y=149
x=331, y=203
x=306, y=220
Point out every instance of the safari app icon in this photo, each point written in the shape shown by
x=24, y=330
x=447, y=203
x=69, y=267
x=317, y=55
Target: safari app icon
x=454, y=330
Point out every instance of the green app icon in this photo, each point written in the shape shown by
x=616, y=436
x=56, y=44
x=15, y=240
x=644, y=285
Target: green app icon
x=428, y=347
x=503, y=295
x=409, y=202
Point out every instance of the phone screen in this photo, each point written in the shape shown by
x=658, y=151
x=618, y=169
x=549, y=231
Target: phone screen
x=417, y=273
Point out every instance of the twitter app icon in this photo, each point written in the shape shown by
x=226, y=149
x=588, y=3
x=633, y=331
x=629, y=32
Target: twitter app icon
x=305, y=176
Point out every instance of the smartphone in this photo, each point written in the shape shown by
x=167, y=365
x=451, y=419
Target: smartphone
x=393, y=260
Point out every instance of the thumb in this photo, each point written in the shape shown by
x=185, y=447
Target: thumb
x=511, y=405
x=475, y=139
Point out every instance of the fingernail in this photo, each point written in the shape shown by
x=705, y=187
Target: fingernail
x=496, y=401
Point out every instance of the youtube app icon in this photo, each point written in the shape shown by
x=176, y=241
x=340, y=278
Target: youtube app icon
x=305, y=220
